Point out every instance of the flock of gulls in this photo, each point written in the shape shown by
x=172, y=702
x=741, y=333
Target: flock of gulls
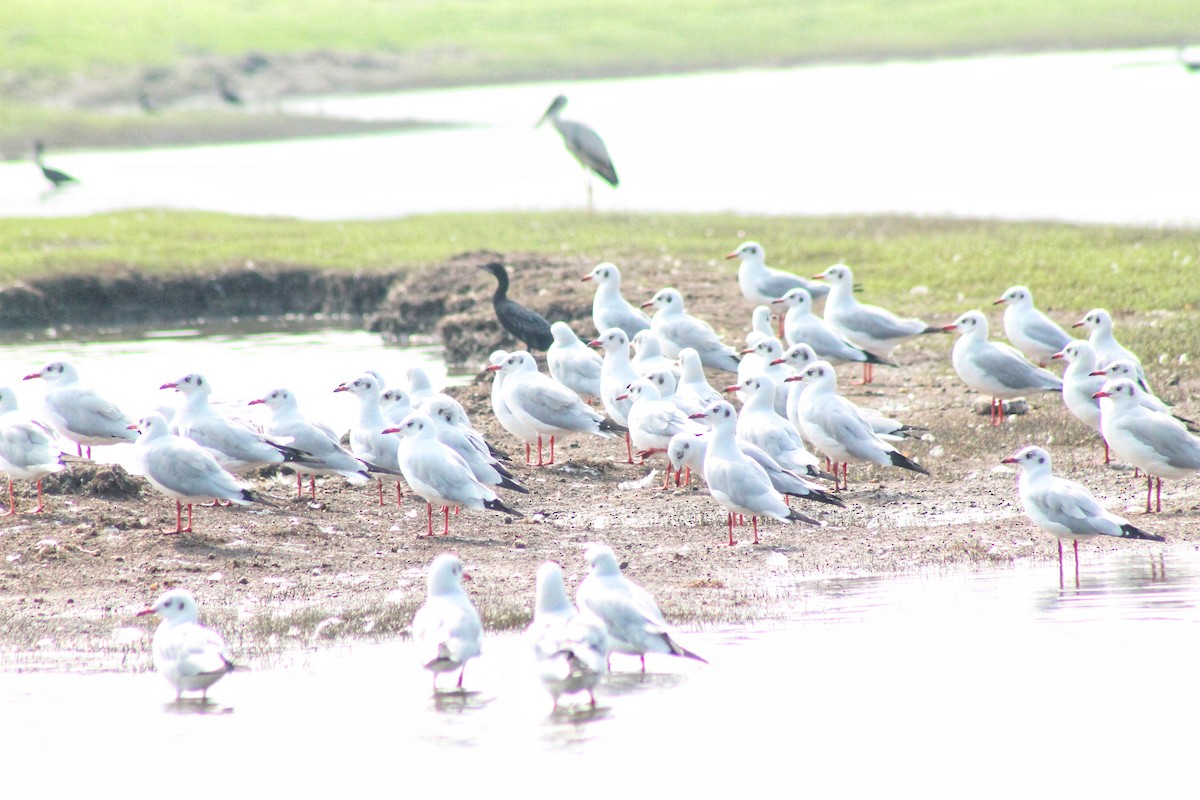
x=643, y=377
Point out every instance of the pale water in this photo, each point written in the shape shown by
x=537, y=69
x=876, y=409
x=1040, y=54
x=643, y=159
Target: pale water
x=1086, y=137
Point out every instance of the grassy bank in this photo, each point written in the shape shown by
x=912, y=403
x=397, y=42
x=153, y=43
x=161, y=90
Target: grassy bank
x=957, y=262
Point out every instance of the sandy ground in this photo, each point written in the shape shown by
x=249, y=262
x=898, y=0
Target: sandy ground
x=299, y=570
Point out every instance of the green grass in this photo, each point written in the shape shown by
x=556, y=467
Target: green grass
x=963, y=263
x=455, y=41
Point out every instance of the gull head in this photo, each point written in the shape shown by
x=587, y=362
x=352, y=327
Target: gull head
x=174, y=606
x=1034, y=460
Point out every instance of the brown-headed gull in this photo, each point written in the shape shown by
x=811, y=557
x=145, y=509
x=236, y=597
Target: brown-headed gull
x=1064, y=507
x=994, y=368
x=1124, y=368
x=1080, y=385
x=28, y=450
x=653, y=421
x=616, y=373
x=737, y=481
x=1029, y=330
x=438, y=474
x=609, y=308
x=571, y=648
x=455, y=431
x=769, y=350
x=368, y=442
x=1099, y=325
x=573, y=364
x=762, y=284
x=692, y=386
x=648, y=355
x=676, y=329
x=508, y=420
x=447, y=628
x=802, y=326
x=325, y=454
x=1154, y=442
x=188, y=655
x=837, y=429
x=761, y=424
x=237, y=447
x=547, y=406
x=631, y=618
x=182, y=469
x=79, y=413
x=395, y=404
x=870, y=327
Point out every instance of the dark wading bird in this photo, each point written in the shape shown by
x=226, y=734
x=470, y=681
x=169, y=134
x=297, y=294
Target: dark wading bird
x=227, y=92
x=583, y=143
x=56, y=177
x=524, y=323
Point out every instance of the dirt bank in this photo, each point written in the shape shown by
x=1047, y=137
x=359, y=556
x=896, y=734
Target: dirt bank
x=297, y=571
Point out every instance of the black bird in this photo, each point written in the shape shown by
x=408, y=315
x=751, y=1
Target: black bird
x=56, y=177
x=524, y=323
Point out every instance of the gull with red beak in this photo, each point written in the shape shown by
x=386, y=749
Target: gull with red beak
x=1029, y=330
x=188, y=655
x=676, y=329
x=609, y=307
x=762, y=284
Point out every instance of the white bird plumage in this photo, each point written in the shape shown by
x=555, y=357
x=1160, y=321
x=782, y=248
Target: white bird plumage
x=762, y=284
x=447, y=626
x=676, y=329
x=79, y=413
x=571, y=648
x=188, y=655
x=1032, y=332
x=609, y=307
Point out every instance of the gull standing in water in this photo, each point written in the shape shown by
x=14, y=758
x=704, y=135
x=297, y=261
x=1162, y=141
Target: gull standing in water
x=609, y=308
x=762, y=284
x=571, y=648
x=79, y=413
x=447, y=626
x=994, y=368
x=188, y=655
x=870, y=327
x=1030, y=331
x=676, y=329
x=584, y=144
x=631, y=618
x=1064, y=507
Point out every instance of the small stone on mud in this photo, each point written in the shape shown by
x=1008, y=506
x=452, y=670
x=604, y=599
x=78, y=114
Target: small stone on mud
x=520, y=545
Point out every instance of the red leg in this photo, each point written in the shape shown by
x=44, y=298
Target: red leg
x=754, y=522
x=445, y=520
x=1060, y=563
x=551, y=461
x=527, y=454
x=188, y=529
x=628, y=449
x=1105, y=451
x=178, y=519
x=12, y=500
x=689, y=476
x=1076, y=543
x=1158, y=494
x=299, y=485
x=845, y=481
x=399, y=496
x=40, y=508
x=667, y=480
x=1149, y=491
x=429, y=517
x=381, y=491
x=312, y=487
x=729, y=519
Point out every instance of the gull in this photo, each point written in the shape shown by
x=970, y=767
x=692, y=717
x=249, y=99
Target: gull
x=1080, y=385
x=994, y=368
x=1031, y=331
x=508, y=420
x=583, y=143
x=571, y=648
x=447, y=627
x=28, y=450
x=870, y=327
x=762, y=284
x=769, y=351
x=325, y=454
x=455, y=431
x=1154, y=442
x=395, y=404
x=801, y=325
x=182, y=469
x=188, y=655
x=653, y=421
x=438, y=474
x=548, y=407
x=648, y=356
x=664, y=383
x=420, y=390
x=1099, y=325
x=572, y=363
x=693, y=388
x=616, y=373
x=631, y=618
x=676, y=329
x=760, y=424
x=609, y=308
x=79, y=413
x=236, y=447
x=1124, y=368
x=368, y=442
x=750, y=363
x=1064, y=507
x=834, y=426
x=735, y=480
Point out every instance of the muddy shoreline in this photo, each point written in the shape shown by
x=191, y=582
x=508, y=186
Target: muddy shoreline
x=299, y=572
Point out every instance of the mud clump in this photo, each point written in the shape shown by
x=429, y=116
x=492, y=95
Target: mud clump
x=108, y=481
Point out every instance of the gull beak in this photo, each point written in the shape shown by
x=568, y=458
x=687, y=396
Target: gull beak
x=996, y=303
x=341, y=388
x=586, y=278
x=32, y=376
x=648, y=304
x=792, y=378
x=748, y=350
x=1078, y=324
x=778, y=301
x=731, y=255
x=820, y=276
x=492, y=368
x=594, y=343
x=132, y=427
x=949, y=328
x=622, y=396
x=1100, y=394
x=777, y=361
x=733, y=388
x=145, y=612
x=1097, y=372
x=1009, y=460
x=169, y=386
x=390, y=430
x=257, y=402
x=697, y=415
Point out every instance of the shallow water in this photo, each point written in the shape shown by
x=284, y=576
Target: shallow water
x=981, y=682
x=1087, y=137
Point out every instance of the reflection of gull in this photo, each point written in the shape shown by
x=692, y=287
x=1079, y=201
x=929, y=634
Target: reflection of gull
x=1064, y=507
x=631, y=617
x=447, y=626
x=571, y=648
x=190, y=656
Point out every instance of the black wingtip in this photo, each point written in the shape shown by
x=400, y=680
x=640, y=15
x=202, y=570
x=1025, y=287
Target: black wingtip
x=679, y=650
x=874, y=359
x=1130, y=532
x=901, y=460
x=796, y=516
x=821, y=497
x=497, y=505
x=508, y=483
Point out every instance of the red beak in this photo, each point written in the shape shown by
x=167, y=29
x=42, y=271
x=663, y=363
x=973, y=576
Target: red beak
x=341, y=388
x=586, y=278
x=390, y=430
x=1097, y=372
x=256, y=402
x=731, y=255
x=621, y=397
x=949, y=328
x=647, y=304
x=778, y=301
x=820, y=276
x=1057, y=355
x=996, y=303
x=1078, y=324
x=748, y=350
x=1010, y=459
x=145, y=612
x=594, y=343
x=132, y=427
x=492, y=368
x=169, y=386
x=793, y=378
x=733, y=388
x=1100, y=394
x=32, y=376
x=777, y=361
x=698, y=415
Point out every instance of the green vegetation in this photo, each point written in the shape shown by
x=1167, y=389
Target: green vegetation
x=456, y=41
x=962, y=263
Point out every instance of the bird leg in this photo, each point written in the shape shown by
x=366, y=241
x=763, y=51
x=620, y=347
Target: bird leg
x=667, y=480
x=380, y=480
x=551, y=461
x=1149, y=491
x=754, y=522
x=399, y=496
x=1060, y=567
x=12, y=499
x=446, y=532
x=429, y=532
x=299, y=486
x=540, y=462
x=729, y=519
x=40, y=508
x=312, y=487
x=628, y=448
x=1106, y=457
x=179, y=519
x=527, y=454
x=460, y=674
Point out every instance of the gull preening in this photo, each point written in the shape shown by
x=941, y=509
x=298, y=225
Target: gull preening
x=1064, y=507
x=631, y=618
x=79, y=413
x=993, y=368
x=676, y=329
x=872, y=328
x=571, y=648
x=188, y=655
x=610, y=309
x=1033, y=333
x=447, y=627
x=762, y=284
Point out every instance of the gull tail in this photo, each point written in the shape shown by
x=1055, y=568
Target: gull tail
x=384, y=470
x=1130, y=532
x=499, y=455
x=290, y=453
x=250, y=497
x=497, y=505
x=813, y=472
x=679, y=650
x=901, y=460
x=871, y=358
x=911, y=431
